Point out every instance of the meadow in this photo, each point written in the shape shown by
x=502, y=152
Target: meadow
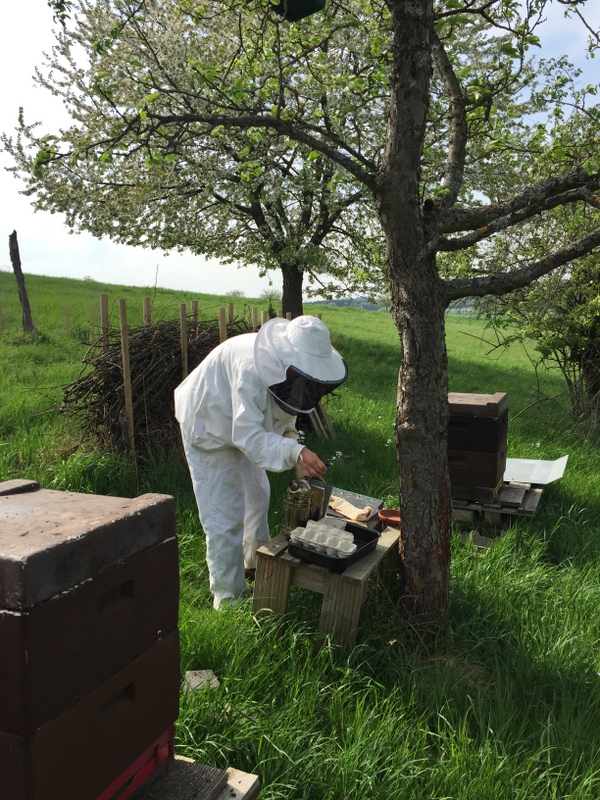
x=503, y=702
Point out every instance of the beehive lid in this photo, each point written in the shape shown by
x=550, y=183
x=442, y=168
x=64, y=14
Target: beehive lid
x=477, y=405
x=51, y=541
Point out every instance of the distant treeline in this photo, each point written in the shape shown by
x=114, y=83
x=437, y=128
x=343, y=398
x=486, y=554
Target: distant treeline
x=464, y=305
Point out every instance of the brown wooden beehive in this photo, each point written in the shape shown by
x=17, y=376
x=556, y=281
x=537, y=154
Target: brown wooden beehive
x=477, y=439
x=89, y=651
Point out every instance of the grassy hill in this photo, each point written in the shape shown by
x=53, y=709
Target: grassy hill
x=502, y=702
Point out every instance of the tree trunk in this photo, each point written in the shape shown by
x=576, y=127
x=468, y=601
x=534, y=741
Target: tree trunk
x=421, y=437
x=15, y=258
x=418, y=306
x=590, y=365
x=291, y=299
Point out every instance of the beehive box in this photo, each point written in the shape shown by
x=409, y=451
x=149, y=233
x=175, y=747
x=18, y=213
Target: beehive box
x=477, y=439
x=478, y=422
x=89, y=593
x=80, y=752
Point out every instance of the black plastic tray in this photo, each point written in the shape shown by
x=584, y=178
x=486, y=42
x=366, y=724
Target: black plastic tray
x=364, y=538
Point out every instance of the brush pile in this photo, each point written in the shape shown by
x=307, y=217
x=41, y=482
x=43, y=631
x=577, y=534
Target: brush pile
x=98, y=396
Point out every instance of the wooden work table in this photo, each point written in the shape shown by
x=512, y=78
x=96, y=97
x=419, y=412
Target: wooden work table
x=343, y=593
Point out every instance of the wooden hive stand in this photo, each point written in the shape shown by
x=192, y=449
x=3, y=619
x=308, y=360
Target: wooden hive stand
x=513, y=499
x=343, y=593
x=182, y=778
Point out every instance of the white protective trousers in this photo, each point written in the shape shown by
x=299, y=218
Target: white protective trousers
x=232, y=431
x=233, y=502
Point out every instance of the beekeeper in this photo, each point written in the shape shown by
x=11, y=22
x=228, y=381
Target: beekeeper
x=237, y=411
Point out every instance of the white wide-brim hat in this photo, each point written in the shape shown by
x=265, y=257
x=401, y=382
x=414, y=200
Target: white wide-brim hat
x=303, y=343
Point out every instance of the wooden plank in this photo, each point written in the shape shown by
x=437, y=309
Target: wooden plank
x=474, y=538
x=183, y=339
x=275, y=547
x=182, y=779
x=273, y=576
x=321, y=410
x=310, y=576
x=147, y=312
x=222, y=325
x=463, y=515
x=532, y=499
x=494, y=517
x=362, y=568
x=512, y=495
x=240, y=786
x=475, y=494
x=315, y=421
x=104, y=320
x=340, y=612
x=127, y=391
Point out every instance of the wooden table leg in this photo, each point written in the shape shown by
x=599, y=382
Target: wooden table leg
x=345, y=593
x=340, y=612
x=273, y=577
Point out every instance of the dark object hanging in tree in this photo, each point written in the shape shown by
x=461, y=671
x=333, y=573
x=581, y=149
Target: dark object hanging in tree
x=293, y=10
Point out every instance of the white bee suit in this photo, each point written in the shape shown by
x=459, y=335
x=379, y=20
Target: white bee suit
x=233, y=430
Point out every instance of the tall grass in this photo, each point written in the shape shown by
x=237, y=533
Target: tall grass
x=503, y=702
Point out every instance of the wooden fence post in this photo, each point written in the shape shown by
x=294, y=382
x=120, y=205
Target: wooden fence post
x=280, y=313
x=264, y=316
x=15, y=258
x=126, y=375
x=183, y=339
x=230, y=312
x=255, y=319
x=104, y=320
x=222, y=325
x=147, y=313
x=288, y=315
x=195, y=316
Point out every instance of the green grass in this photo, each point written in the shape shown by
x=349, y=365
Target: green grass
x=503, y=702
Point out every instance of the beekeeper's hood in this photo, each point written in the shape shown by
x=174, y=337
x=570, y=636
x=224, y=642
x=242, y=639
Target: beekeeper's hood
x=295, y=360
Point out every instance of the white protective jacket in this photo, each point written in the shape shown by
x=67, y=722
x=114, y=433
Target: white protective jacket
x=223, y=404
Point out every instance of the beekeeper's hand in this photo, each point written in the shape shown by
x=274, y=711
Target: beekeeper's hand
x=310, y=464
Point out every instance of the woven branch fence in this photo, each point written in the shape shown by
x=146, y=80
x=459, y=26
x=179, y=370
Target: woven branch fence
x=123, y=398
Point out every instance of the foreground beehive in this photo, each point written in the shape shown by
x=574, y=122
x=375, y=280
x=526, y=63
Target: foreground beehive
x=89, y=648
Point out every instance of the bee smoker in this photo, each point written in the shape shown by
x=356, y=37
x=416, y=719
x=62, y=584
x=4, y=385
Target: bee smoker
x=297, y=505
x=305, y=498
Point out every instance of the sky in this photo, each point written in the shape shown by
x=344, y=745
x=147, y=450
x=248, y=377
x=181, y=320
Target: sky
x=46, y=245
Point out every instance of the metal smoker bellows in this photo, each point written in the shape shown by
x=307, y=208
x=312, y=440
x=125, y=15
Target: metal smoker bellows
x=297, y=505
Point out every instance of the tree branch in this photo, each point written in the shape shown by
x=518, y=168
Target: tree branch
x=457, y=145
x=570, y=187
x=362, y=169
x=502, y=282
